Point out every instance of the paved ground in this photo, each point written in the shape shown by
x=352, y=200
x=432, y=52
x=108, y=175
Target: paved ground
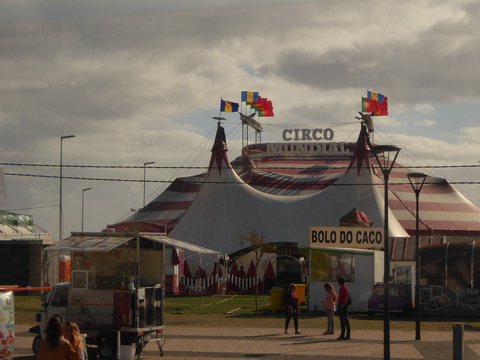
x=244, y=343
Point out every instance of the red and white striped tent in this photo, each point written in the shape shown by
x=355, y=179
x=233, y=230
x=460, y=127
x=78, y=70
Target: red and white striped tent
x=284, y=191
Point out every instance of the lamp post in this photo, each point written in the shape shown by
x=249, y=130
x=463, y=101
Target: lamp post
x=145, y=177
x=386, y=156
x=417, y=180
x=301, y=260
x=83, y=202
x=227, y=258
x=60, y=234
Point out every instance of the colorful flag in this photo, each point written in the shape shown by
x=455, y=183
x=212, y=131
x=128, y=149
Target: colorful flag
x=374, y=107
x=266, y=112
x=228, y=106
x=376, y=96
x=263, y=107
x=249, y=96
x=382, y=107
x=369, y=105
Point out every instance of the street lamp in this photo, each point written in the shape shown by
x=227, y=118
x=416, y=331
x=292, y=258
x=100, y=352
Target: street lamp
x=227, y=258
x=417, y=180
x=301, y=260
x=386, y=156
x=60, y=233
x=145, y=177
x=83, y=202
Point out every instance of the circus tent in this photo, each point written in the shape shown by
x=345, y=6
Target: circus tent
x=284, y=194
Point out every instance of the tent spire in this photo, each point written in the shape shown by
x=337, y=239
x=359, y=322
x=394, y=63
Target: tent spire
x=361, y=153
x=219, y=151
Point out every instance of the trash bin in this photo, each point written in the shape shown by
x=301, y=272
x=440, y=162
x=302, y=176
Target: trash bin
x=276, y=299
x=301, y=293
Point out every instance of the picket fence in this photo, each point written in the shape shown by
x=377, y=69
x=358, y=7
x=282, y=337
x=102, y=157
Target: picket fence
x=216, y=284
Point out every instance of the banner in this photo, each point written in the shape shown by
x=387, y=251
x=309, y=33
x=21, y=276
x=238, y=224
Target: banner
x=346, y=237
x=7, y=325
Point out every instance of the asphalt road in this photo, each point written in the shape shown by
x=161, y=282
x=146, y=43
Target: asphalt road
x=267, y=343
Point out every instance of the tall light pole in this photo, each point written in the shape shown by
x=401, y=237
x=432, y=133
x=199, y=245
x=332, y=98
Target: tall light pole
x=301, y=260
x=386, y=156
x=83, y=202
x=227, y=259
x=145, y=177
x=417, y=180
x=60, y=233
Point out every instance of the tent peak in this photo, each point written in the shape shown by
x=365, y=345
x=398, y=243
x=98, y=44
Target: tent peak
x=219, y=152
x=361, y=154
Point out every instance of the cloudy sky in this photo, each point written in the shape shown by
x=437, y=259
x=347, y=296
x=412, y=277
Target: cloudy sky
x=139, y=81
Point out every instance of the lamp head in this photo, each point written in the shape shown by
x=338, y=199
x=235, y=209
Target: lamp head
x=417, y=180
x=386, y=156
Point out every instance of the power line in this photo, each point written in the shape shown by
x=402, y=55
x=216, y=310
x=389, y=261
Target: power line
x=206, y=167
x=252, y=183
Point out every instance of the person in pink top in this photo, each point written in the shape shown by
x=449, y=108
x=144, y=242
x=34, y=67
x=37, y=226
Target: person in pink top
x=343, y=295
x=329, y=304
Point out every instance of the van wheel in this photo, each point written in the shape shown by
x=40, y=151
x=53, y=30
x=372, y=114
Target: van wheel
x=107, y=350
x=36, y=344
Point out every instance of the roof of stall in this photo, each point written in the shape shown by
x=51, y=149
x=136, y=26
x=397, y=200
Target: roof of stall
x=105, y=242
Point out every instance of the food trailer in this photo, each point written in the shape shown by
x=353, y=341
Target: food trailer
x=116, y=290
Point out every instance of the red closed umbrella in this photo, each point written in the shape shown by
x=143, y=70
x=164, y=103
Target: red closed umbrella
x=251, y=270
x=269, y=272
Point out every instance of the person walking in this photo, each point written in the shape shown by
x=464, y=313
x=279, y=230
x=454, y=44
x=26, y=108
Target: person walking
x=329, y=304
x=291, y=308
x=55, y=347
x=343, y=303
x=71, y=332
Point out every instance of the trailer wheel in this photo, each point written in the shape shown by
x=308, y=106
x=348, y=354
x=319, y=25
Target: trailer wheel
x=106, y=349
x=36, y=344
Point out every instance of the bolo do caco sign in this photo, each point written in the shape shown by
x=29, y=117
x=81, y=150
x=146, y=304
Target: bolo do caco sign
x=347, y=237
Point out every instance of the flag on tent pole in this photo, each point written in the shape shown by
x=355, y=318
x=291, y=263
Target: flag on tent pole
x=249, y=96
x=369, y=105
x=263, y=107
x=375, y=96
x=228, y=106
x=373, y=106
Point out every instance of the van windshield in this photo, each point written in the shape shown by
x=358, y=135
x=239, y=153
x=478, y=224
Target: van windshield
x=378, y=291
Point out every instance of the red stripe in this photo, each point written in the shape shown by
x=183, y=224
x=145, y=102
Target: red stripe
x=271, y=183
x=428, y=189
x=435, y=206
x=442, y=226
x=167, y=205
x=182, y=186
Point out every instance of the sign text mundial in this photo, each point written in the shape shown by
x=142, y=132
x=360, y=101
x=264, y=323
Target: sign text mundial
x=307, y=149
x=346, y=237
x=307, y=134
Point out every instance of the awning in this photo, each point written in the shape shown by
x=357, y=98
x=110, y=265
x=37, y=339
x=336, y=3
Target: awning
x=163, y=239
x=89, y=243
x=100, y=242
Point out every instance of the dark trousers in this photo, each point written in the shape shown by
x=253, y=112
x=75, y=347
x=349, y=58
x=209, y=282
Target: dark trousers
x=295, y=321
x=344, y=322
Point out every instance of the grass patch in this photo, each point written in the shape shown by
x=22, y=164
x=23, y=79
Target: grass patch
x=239, y=311
x=216, y=304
